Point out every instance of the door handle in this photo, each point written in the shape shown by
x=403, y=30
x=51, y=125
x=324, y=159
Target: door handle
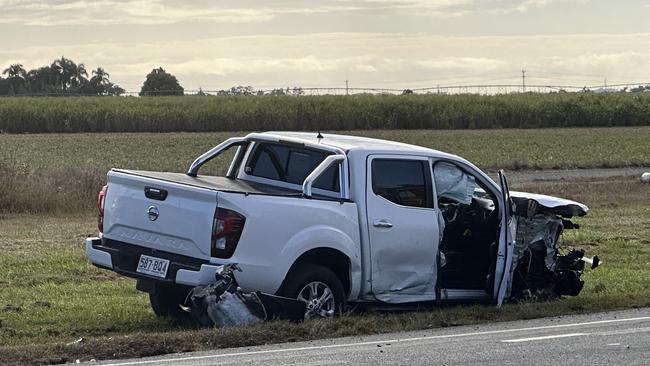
x=382, y=223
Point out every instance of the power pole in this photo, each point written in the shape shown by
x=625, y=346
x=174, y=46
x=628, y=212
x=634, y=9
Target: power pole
x=523, y=79
x=346, y=87
x=605, y=81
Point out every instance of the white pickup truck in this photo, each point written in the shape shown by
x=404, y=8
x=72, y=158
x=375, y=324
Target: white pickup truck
x=331, y=219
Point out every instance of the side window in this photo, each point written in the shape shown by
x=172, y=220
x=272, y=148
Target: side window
x=290, y=164
x=266, y=166
x=329, y=180
x=404, y=182
x=301, y=163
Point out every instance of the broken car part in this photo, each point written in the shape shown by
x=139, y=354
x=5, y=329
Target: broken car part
x=223, y=303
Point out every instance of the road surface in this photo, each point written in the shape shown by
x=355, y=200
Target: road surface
x=613, y=338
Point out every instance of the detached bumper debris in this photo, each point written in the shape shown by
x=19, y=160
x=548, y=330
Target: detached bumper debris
x=224, y=304
x=645, y=177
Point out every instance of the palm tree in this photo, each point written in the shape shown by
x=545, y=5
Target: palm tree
x=79, y=76
x=66, y=69
x=100, y=82
x=15, y=71
x=100, y=76
x=16, y=76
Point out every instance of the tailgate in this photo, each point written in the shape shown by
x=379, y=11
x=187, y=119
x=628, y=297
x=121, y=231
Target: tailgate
x=170, y=217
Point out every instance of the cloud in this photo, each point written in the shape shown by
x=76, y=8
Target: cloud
x=366, y=59
x=457, y=8
x=462, y=63
x=153, y=12
x=160, y=12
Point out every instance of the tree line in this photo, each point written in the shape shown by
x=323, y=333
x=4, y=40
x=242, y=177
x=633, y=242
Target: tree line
x=65, y=77
x=62, y=77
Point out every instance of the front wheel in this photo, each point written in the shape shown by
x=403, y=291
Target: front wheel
x=318, y=287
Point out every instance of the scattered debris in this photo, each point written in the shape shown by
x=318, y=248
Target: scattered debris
x=645, y=177
x=224, y=304
x=75, y=342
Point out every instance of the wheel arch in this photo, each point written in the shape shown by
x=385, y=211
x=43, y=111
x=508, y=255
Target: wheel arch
x=330, y=258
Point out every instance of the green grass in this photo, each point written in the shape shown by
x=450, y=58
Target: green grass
x=166, y=114
x=63, y=172
x=49, y=289
x=510, y=148
x=50, y=295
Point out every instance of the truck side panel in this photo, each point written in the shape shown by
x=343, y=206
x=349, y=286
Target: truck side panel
x=280, y=229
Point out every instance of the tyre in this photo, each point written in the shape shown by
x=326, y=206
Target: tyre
x=318, y=287
x=167, y=301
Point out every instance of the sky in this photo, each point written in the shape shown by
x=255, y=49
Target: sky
x=321, y=43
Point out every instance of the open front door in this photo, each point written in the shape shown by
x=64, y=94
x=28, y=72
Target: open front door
x=503, y=273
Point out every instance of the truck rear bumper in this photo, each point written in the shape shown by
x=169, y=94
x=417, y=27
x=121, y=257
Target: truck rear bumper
x=123, y=258
x=98, y=257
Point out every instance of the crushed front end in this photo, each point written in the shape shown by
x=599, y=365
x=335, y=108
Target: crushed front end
x=542, y=268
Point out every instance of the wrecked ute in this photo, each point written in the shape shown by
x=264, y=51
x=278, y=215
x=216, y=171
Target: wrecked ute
x=329, y=220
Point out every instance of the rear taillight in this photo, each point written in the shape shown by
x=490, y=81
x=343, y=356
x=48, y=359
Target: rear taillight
x=227, y=227
x=101, y=199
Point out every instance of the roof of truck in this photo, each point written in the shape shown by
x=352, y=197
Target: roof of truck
x=348, y=142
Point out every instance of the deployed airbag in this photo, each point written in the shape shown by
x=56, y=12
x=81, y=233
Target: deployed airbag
x=452, y=183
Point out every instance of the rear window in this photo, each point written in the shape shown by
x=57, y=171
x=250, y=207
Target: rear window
x=403, y=182
x=291, y=164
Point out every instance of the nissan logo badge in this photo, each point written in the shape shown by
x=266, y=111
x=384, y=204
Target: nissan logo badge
x=153, y=213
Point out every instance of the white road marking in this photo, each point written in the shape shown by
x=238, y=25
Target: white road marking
x=613, y=344
x=624, y=331
x=381, y=341
x=544, y=337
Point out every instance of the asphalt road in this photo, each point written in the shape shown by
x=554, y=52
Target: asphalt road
x=613, y=338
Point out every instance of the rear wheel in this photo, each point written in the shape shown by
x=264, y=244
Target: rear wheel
x=318, y=287
x=167, y=301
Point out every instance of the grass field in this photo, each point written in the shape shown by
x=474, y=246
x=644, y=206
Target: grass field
x=50, y=295
x=166, y=114
x=63, y=172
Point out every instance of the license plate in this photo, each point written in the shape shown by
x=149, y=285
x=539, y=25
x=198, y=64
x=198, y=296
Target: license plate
x=153, y=266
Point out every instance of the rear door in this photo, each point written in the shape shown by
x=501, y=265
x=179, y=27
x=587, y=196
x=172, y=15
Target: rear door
x=504, y=266
x=403, y=228
x=159, y=214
